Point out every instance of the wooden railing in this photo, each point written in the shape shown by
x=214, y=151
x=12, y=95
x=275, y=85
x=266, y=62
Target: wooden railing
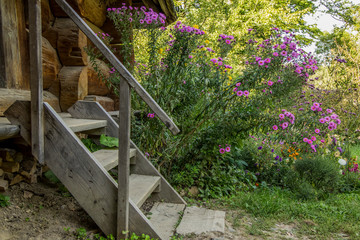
x=127, y=82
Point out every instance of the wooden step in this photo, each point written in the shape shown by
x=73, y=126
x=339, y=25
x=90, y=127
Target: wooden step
x=141, y=187
x=109, y=157
x=165, y=217
x=82, y=125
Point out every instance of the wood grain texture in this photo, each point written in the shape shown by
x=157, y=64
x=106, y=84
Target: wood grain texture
x=36, y=82
x=70, y=43
x=96, y=86
x=92, y=10
x=51, y=67
x=9, y=131
x=93, y=110
x=124, y=159
x=14, y=45
x=73, y=85
x=78, y=170
x=119, y=67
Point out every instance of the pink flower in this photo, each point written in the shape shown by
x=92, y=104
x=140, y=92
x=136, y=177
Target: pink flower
x=310, y=142
x=275, y=127
x=322, y=120
x=281, y=116
x=222, y=151
x=313, y=108
x=238, y=84
x=246, y=93
x=283, y=53
x=316, y=104
x=261, y=62
x=235, y=89
x=275, y=54
x=322, y=140
x=313, y=138
x=267, y=60
x=190, y=56
x=270, y=83
x=239, y=93
x=285, y=125
x=305, y=140
x=327, y=119
x=329, y=111
x=317, y=130
x=227, y=149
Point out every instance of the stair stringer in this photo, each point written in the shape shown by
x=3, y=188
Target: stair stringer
x=84, y=177
x=93, y=110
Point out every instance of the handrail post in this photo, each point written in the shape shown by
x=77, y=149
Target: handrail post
x=36, y=82
x=124, y=159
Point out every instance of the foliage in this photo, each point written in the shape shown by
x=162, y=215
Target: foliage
x=318, y=219
x=270, y=97
x=4, y=200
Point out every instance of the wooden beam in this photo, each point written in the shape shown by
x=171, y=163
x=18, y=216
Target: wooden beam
x=119, y=67
x=36, y=83
x=124, y=160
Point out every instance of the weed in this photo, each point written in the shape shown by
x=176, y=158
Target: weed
x=4, y=200
x=81, y=234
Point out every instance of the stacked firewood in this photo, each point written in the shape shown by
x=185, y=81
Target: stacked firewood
x=16, y=167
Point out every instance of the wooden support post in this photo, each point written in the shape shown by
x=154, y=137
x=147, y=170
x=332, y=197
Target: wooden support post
x=124, y=160
x=36, y=83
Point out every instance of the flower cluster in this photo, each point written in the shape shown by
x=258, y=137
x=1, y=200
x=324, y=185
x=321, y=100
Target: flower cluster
x=285, y=117
x=138, y=17
x=182, y=28
x=226, y=39
x=151, y=115
x=226, y=149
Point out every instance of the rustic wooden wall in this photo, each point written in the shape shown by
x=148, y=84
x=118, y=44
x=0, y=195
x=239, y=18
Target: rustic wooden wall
x=67, y=74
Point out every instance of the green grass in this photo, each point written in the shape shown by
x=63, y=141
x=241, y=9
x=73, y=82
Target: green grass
x=355, y=150
x=338, y=214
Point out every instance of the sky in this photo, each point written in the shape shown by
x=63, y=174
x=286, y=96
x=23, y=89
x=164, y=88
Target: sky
x=325, y=22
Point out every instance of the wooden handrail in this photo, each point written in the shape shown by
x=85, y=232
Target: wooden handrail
x=125, y=74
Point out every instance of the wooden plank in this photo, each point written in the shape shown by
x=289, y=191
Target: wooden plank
x=124, y=159
x=119, y=67
x=81, y=173
x=9, y=96
x=36, y=83
x=109, y=158
x=9, y=131
x=93, y=110
x=141, y=187
x=81, y=125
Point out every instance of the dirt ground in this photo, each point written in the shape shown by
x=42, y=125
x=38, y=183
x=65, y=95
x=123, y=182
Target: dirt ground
x=42, y=212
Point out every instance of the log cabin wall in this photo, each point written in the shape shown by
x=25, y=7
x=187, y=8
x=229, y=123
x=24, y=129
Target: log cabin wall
x=67, y=74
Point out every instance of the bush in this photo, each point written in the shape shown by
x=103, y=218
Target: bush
x=321, y=172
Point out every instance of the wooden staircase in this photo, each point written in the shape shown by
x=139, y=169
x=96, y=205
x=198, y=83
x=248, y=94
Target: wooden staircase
x=86, y=176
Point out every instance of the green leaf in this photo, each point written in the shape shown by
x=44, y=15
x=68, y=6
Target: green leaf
x=109, y=141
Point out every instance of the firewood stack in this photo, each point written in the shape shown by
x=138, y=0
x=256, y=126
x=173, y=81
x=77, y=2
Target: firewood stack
x=16, y=167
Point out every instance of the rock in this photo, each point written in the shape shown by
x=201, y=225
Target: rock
x=28, y=195
x=1, y=172
x=3, y=185
x=231, y=229
x=18, y=157
x=8, y=176
x=194, y=191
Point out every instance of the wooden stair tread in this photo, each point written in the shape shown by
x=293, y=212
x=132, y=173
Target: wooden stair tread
x=141, y=187
x=7, y=130
x=109, y=157
x=164, y=218
x=80, y=125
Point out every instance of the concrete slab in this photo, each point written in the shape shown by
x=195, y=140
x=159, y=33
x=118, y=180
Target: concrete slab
x=200, y=220
x=164, y=218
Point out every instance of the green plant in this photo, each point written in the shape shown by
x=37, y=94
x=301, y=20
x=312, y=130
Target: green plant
x=4, y=200
x=81, y=234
